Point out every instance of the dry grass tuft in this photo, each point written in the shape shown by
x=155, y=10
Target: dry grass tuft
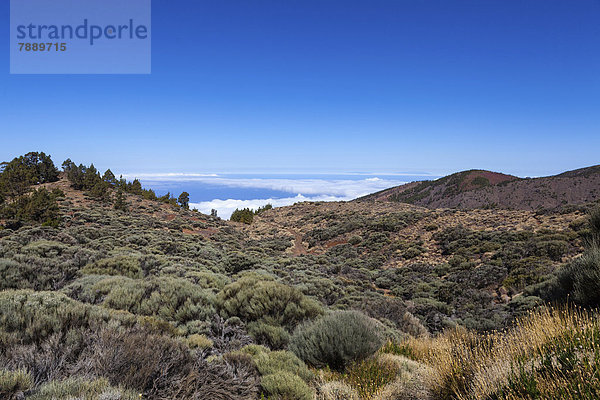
x=550, y=353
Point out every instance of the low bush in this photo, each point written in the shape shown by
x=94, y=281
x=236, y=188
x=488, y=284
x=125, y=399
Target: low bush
x=148, y=363
x=238, y=261
x=80, y=388
x=227, y=335
x=270, y=302
x=283, y=375
x=336, y=390
x=286, y=386
x=273, y=336
x=232, y=378
x=128, y=266
x=594, y=225
x=336, y=340
x=14, y=383
x=201, y=342
x=581, y=278
x=272, y=362
x=369, y=376
x=174, y=300
x=28, y=317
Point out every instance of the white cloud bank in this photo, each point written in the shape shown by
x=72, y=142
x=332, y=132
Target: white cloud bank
x=226, y=207
x=307, y=189
x=350, y=188
x=300, y=189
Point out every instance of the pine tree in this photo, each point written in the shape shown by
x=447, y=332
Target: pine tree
x=91, y=177
x=109, y=178
x=135, y=187
x=76, y=175
x=184, y=200
x=68, y=165
x=100, y=191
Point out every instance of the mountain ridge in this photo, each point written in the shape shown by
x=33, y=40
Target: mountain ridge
x=473, y=189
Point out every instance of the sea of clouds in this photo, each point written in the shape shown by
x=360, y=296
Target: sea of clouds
x=303, y=190
x=300, y=189
x=226, y=207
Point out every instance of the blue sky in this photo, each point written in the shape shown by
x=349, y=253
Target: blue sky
x=330, y=86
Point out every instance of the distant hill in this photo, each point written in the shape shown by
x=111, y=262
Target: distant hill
x=486, y=189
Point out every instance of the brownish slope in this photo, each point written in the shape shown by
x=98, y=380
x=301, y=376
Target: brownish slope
x=485, y=189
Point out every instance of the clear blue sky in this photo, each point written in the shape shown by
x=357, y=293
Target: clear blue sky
x=323, y=85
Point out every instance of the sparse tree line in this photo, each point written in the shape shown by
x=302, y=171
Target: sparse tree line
x=98, y=186
x=19, y=204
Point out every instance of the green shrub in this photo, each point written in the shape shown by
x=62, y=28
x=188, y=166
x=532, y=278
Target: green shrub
x=128, y=266
x=38, y=264
x=254, y=350
x=170, y=299
x=276, y=337
x=97, y=389
x=238, y=261
x=581, y=278
x=208, y=280
x=45, y=248
x=286, y=386
x=14, y=383
x=355, y=240
x=273, y=362
x=196, y=341
x=412, y=252
x=594, y=224
x=271, y=302
x=336, y=340
x=28, y=317
x=284, y=376
x=11, y=275
x=431, y=227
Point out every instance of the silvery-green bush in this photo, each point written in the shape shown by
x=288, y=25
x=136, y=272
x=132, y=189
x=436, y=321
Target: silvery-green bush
x=336, y=340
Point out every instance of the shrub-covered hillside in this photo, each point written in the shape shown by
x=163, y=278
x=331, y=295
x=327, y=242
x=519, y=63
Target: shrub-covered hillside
x=478, y=269
x=110, y=292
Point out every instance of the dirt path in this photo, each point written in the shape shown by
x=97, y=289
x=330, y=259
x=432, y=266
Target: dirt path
x=299, y=248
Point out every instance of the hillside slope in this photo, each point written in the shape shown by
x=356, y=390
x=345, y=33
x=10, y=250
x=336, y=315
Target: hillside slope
x=485, y=189
x=211, y=309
